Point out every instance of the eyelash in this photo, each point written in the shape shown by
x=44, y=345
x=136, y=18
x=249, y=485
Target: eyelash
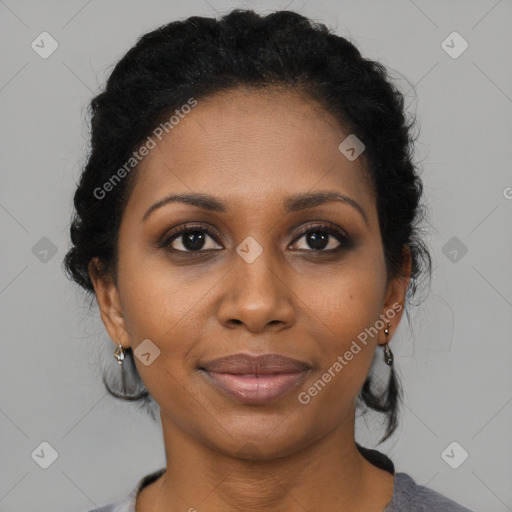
x=324, y=227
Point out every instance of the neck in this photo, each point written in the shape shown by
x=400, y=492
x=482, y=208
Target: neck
x=321, y=476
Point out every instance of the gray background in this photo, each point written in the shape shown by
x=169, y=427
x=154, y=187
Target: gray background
x=454, y=359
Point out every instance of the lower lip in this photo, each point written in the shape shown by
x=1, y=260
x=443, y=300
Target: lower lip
x=251, y=389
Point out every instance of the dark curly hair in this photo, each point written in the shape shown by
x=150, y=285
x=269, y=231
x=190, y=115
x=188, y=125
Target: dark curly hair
x=197, y=57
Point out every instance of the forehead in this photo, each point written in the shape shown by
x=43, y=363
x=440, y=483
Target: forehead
x=251, y=147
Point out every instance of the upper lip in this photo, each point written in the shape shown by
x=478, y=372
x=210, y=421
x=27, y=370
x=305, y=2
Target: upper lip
x=265, y=364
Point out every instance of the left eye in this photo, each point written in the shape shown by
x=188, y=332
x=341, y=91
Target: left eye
x=322, y=239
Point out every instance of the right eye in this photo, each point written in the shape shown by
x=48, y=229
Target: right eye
x=191, y=240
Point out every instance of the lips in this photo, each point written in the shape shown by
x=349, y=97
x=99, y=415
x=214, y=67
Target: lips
x=255, y=380
x=259, y=365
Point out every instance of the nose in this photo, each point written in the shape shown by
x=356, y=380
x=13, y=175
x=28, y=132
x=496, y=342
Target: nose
x=256, y=295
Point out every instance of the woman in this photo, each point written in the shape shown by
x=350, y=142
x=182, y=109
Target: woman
x=247, y=223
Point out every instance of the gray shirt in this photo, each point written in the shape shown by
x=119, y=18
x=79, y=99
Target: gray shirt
x=407, y=495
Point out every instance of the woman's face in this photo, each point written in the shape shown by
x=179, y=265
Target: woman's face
x=258, y=271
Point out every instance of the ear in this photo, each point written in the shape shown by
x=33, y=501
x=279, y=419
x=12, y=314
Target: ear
x=109, y=304
x=394, y=302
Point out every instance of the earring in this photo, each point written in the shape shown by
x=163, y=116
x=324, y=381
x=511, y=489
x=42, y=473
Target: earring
x=388, y=355
x=119, y=353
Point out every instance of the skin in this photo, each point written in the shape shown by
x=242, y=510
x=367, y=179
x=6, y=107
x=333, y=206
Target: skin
x=252, y=150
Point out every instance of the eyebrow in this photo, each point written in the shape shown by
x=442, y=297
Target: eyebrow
x=292, y=204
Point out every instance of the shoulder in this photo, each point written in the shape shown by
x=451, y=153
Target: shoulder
x=127, y=504
x=124, y=505
x=408, y=496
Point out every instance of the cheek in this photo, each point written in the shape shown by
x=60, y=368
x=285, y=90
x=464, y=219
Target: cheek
x=346, y=300
x=343, y=310
x=159, y=300
x=167, y=306
x=164, y=308
x=345, y=353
